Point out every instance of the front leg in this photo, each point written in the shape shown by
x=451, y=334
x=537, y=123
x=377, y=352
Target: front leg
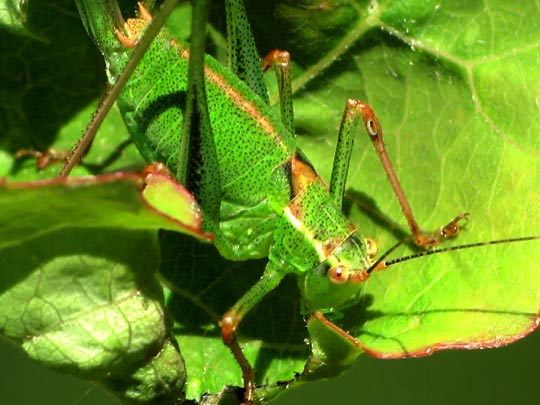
x=356, y=112
x=270, y=279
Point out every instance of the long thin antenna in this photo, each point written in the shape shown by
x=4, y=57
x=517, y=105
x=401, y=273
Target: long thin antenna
x=380, y=264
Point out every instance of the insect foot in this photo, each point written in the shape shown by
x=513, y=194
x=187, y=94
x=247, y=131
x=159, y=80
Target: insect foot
x=133, y=28
x=43, y=159
x=228, y=326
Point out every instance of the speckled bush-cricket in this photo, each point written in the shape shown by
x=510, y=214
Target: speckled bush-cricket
x=259, y=194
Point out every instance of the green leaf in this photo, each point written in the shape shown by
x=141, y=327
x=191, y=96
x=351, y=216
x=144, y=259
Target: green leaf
x=332, y=349
x=455, y=87
x=456, y=95
x=82, y=302
x=13, y=16
x=79, y=293
x=120, y=200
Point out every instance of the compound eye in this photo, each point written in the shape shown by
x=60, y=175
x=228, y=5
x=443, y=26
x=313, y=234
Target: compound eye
x=339, y=274
x=371, y=247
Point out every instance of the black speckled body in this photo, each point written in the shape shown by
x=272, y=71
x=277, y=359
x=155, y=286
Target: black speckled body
x=272, y=202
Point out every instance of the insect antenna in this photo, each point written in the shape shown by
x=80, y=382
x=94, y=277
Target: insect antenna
x=381, y=264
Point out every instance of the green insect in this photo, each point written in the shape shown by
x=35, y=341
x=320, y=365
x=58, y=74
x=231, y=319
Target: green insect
x=260, y=195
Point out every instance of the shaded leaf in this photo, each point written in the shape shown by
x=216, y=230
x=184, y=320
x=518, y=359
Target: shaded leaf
x=80, y=293
x=81, y=301
x=203, y=286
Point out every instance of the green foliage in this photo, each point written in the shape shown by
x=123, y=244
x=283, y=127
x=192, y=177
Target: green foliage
x=79, y=292
x=455, y=86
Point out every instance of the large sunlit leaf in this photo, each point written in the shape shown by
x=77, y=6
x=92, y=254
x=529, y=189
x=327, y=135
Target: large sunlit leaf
x=456, y=94
x=457, y=97
x=455, y=87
